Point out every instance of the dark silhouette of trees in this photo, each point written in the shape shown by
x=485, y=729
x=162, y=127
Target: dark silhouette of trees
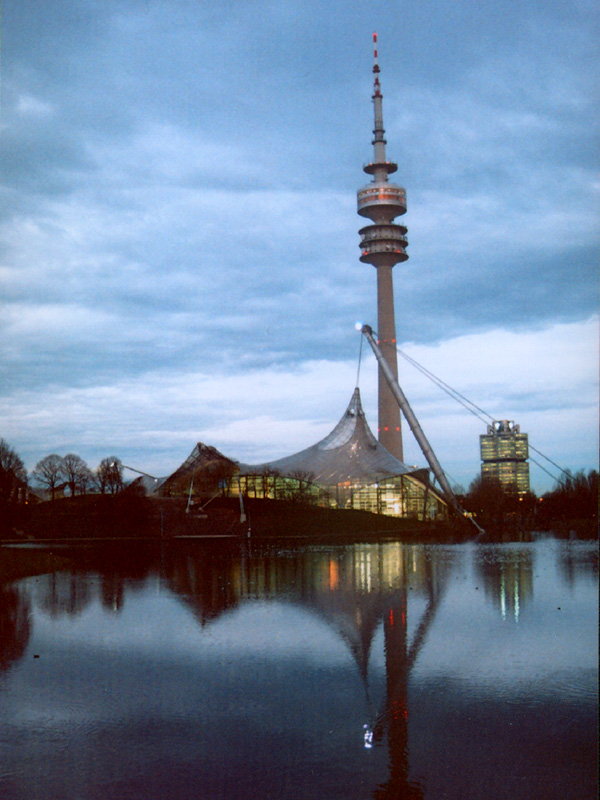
x=53, y=471
x=76, y=473
x=13, y=488
x=109, y=475
x=492, y=505
x=575, y=497
x=13, y=475
x=86, y=480
x=49, y=472
x=486, y=499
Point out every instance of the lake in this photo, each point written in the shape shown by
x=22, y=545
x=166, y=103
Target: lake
x=212, y=670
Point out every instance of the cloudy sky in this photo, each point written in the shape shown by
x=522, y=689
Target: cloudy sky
x=179, y=247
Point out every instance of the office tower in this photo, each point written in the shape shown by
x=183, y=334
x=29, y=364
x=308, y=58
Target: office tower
x=504, y=453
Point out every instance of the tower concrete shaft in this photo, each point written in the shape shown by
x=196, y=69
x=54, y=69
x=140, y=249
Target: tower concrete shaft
x=383, y=245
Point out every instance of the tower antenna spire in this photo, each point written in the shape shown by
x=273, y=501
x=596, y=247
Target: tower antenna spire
x=376, y=70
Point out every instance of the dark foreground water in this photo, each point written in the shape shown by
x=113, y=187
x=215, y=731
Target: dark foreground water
x=365, y=671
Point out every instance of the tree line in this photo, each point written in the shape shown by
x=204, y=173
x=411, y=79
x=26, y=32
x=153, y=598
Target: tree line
x=574, y=497
x=54, y=473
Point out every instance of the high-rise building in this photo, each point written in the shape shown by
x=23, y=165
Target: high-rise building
x=504, y=453
x=383, y=245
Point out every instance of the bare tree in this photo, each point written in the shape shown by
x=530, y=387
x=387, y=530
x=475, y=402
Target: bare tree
x=86, y=481
x=110, y=475
x=49, y=472
x=74, y=469
x=269, y=482
x=305, y=479
x=13, y=474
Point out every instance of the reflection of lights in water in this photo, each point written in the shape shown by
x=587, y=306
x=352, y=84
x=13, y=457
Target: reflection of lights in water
x=367, y=737
x=334, y=575
x=505, y=597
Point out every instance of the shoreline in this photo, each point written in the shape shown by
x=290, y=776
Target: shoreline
x=134, y=518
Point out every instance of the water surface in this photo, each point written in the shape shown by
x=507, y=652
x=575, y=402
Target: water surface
x=363, y=671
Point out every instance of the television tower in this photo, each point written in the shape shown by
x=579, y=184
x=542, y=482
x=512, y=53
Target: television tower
x=383, y=245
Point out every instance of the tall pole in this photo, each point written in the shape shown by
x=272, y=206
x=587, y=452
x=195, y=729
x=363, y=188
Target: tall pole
x=427, y=450
x=383, y=245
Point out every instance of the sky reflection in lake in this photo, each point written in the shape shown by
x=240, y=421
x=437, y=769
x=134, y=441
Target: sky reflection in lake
x=254, y=673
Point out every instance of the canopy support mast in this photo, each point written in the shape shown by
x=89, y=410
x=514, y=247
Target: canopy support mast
x=416, y=429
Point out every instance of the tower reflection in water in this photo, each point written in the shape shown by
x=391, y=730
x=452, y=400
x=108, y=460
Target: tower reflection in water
x=354, y=590
x=362, y=592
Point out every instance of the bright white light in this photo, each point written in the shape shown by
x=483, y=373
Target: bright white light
x=358, y=326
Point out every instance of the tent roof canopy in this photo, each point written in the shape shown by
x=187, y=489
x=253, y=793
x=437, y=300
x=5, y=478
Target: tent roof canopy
x=349, y=453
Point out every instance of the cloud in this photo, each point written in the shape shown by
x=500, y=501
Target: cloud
x=153, y=419
x=29, y=106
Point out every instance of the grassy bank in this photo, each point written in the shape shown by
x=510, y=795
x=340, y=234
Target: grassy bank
x=128, y=515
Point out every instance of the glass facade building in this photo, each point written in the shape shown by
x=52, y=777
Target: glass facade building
x=401, y=496
x=347, y=469
x=504, y=453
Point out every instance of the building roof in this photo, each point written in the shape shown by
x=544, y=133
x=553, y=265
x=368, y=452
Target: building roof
x=203, y=457
x=349, y=453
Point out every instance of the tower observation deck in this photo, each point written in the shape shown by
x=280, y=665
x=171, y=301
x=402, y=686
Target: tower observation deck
x=383, y=244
